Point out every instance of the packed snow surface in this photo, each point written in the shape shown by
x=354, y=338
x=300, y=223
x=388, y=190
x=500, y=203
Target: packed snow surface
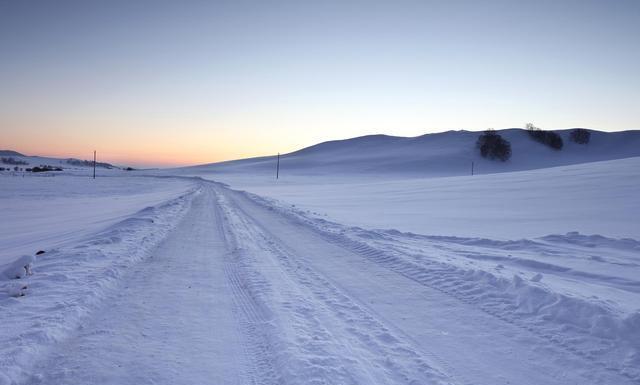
x=222, y=275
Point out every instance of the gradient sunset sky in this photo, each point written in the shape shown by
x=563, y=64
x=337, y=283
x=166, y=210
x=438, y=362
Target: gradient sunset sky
x=183, y=82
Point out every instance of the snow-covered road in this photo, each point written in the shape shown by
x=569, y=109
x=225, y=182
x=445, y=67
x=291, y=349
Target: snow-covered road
x=170, y=321
x=241, y=293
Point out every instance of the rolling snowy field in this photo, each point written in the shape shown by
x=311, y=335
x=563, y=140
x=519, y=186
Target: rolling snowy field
x=41, y=211
x=591, y=198
x=337, y=275
x=432, y=155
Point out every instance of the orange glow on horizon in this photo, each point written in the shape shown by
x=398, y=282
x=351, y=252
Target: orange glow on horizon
x=138, y=159
x=154, y=141
x=137, y=151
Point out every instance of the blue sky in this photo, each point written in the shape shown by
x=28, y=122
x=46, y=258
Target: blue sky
x=177, y=82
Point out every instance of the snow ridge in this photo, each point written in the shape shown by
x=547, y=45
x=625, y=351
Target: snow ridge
x=70, y=282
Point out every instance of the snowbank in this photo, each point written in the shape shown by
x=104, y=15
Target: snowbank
x=17, y=269
x=45, y=212
x=70, y=281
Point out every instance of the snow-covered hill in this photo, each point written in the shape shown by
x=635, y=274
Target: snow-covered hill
x=10, y=153
x=443, y=154
x=10, y=159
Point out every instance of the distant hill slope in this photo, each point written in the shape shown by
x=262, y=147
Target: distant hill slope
x=442, y=154
x=10, y=153
x=13, y=158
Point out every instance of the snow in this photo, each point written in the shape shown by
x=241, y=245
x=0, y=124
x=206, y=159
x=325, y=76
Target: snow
x=334, y=274
x=585, y=306
x=19, y=268
x=173, y=308
x=70, y=281
x=592, y=198
x=40, y=212
x=390, y=182
x=68, y=165
x=443, y=154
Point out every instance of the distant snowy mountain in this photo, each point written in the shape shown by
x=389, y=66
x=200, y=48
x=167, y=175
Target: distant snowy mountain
x=10, y=159
x=442, y=154
x=10, y=153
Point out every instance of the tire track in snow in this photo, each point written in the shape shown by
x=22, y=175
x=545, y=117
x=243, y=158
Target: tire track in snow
x=377, y=353
x=282, y=336
x=583, y=352
x=253, y=317
x=260, y=369
x=157, y=326
x=434, y=280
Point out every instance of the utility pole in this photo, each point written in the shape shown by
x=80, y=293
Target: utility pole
x=278, y=167
x=471, y=168
x=94, y=164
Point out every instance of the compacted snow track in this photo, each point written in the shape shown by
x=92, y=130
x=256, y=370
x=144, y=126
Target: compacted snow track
x=318, y=333
x=461, y=341
x=171, y=321
x=240, y=294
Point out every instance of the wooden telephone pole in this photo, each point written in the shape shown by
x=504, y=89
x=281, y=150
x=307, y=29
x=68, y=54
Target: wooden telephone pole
x=94, y=164
x=471, y=168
